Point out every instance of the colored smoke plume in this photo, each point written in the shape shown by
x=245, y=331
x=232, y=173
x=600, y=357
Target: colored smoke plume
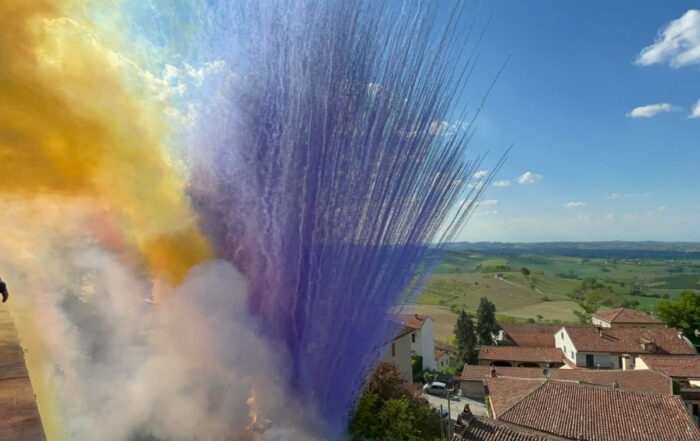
x=207, y=198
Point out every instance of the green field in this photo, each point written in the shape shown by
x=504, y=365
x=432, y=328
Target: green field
x=466, y=275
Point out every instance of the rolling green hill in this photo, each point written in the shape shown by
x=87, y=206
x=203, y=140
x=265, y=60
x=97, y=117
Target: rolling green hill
x=643, y=272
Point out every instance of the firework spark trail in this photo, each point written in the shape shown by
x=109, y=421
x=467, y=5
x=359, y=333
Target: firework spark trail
x=319, y=161
x=324, y=173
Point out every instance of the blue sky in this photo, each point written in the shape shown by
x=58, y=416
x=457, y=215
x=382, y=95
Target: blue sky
x=600, y=170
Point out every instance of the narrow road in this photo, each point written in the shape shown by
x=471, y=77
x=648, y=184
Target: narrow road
x=19, y=415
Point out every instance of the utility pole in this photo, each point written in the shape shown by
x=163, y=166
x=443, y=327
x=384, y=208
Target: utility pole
x=442, y=424
x=449, y=415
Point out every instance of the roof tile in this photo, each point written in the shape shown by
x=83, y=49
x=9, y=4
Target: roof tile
x=598, y=413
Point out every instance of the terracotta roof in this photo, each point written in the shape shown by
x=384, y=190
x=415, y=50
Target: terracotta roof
x=415, y=321
x=629, y=340
x=439, y=353
x=403, y=331
x=531, y=334
x=504, y=392
x=626, y=316
x=446, y=348
x=677, y=367
x=596, y=413
x=517, y=353
x=638, y=381
x=486, y=429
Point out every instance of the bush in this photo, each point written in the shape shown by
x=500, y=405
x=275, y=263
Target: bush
x=391, y=409
x=545, y=299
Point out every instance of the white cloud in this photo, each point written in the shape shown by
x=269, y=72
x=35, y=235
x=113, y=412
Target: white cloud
x=610, y=216
x=503, y=183
x=529, y=178
x=575, y=204
x=480, y=174
x=489, y=202
x=678, y=43
x=695, y=113
x=476, y=185
x=650, y=110
x=630, y=195
x=661, y=209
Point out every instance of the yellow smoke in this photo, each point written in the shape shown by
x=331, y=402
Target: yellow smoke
x=71, y=125
x=79, y=122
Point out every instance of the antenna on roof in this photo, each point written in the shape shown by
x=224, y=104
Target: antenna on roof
x=547, y=373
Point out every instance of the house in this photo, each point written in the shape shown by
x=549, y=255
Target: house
x=520, y=356
x=604, y=348
x=472, y=379
x=577, y=411
x=473, y=428
x=685, y=371
x=399, y=353
x=625, y=317
x=422, y=343
x=445, y=356
x=539, y=335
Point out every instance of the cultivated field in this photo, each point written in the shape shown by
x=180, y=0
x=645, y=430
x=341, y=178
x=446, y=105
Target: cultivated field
x=467, y=275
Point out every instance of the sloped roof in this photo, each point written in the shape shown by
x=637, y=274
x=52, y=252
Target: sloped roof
x=531, y=334
x=629, y=340
x=415, y=321
x=677, y=367
x=597, y=413
x=506, y=391
x=626, y=316
x=486, y=429
x=517, y=353
x=446, y=348
x=638, y=381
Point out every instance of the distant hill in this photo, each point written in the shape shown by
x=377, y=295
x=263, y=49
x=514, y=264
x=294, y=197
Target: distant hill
x=613, y=249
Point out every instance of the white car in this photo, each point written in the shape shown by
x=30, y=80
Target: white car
x=435, y=388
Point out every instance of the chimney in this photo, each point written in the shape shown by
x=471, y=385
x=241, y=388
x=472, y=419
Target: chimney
x=680, y=334
x=615, y=384
x=600, y=331
x=493, y=373
x=464, y=419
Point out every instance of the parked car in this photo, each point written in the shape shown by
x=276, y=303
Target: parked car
x=435, y=388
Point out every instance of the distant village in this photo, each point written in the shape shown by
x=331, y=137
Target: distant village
x=625, y=376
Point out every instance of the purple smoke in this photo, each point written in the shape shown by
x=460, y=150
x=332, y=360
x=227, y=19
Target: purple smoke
x=325, y=173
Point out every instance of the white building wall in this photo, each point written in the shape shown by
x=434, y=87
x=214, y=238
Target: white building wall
x=563, y=342
x=401, y=355
x=602, y=360
x=428, y=344
x=600, y=322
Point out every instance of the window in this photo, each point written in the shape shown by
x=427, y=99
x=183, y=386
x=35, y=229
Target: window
x=413, y=337
x=562, y=334
x=564, y=349
x=393, y=349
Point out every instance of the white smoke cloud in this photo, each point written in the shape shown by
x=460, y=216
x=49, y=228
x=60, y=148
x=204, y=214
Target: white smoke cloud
x=127, y=370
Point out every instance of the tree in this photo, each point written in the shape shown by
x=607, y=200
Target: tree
x=590, y=295
x=390, y=409
x=486, y=325
x=466, y=338
x=525, y=271
x=683, y=313
x=589, y=303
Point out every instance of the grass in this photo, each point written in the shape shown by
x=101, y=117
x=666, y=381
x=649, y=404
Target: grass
x=460, y=282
